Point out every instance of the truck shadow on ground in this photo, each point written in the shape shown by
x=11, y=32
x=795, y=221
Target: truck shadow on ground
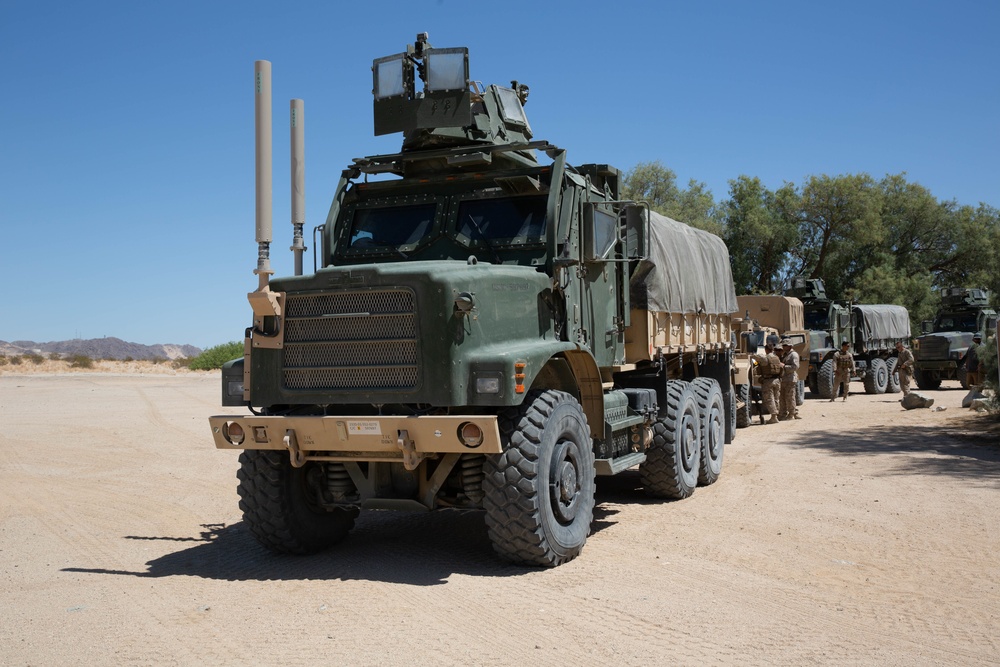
x=967, y=449
x=422, y=549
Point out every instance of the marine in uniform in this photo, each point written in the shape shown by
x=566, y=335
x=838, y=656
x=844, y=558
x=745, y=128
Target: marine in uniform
x=844, y=369
x=769, y=371
x=904, y=365
x=789, y=381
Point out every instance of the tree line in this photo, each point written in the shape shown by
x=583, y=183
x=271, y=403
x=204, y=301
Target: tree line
x=870, y=240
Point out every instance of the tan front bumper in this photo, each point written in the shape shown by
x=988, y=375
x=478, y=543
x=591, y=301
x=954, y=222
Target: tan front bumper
x=402, y=439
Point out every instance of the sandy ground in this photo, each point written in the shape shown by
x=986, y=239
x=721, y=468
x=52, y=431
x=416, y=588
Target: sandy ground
x=861, y=535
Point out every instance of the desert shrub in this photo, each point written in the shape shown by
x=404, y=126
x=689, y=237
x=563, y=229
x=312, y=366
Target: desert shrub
x=55, y=356
x=214, y=357
x=35, y=358
x=158, y=360
x=80, y=361
x=3, y=360
x=15, y=360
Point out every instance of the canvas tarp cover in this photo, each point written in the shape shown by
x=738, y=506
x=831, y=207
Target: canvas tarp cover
x=882, y=322
x=686, y=270
x=784, y=313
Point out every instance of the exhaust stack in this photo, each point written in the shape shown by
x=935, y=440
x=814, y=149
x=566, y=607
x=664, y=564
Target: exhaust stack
x=298, y=129
x=262, y=118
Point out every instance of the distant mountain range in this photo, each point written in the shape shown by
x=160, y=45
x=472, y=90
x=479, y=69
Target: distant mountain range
x=100, y=348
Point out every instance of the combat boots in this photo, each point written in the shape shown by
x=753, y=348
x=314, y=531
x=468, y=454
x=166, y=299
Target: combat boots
x=773, y=419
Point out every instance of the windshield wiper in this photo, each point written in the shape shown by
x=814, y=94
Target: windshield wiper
x=486, y=241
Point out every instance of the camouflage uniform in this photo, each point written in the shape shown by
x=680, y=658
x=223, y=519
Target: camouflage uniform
x=972, y=363
x=843, y=362
x=904, y=364
x=769, y=372
x=789, y=385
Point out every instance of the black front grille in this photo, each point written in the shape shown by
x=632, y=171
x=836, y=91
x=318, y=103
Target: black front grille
x=363, y=340
x=933, y=347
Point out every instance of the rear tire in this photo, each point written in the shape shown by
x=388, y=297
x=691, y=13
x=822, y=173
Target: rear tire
x=711, y=408
x=673, y=460
x=539, y=493
x=893, y=386
x=877, y=377
x=279, y=508
x=729, y=398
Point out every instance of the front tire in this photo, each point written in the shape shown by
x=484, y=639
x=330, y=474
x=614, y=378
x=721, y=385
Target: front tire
x=825, y=377
x=539, y=493
x=279, y=507
x=928, y=380
x=712, y=408
x=673, y=460
x=743, y=414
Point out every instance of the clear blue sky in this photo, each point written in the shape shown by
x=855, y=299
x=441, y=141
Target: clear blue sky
x=126, y=128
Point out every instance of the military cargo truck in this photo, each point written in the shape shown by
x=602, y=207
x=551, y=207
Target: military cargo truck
x=871, y=330
x=482, y=330
x=939, y=354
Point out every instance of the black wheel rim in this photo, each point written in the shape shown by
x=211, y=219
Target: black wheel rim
x=564, y=481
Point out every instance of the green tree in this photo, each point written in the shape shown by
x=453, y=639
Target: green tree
x=656, y=184
x=839, y=222
x=759, y=234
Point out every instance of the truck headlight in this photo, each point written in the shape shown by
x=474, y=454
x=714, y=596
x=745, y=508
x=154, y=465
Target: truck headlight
x=489, y=384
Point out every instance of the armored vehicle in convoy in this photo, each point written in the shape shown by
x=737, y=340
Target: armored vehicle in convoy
x=484, y=329
x=871, y=330
x=939, y=353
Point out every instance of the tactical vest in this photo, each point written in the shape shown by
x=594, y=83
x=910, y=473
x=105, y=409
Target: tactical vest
x=771, y=368
x=844, y=363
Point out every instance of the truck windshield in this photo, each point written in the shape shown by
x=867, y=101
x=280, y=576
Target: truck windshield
x=503, y=220
x=391, y=226
x=817, y=319
x=956, y=322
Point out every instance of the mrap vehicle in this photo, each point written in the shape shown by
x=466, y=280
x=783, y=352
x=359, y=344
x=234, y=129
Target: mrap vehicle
x=482, y=331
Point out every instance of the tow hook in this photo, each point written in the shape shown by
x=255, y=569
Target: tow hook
x=292, y=445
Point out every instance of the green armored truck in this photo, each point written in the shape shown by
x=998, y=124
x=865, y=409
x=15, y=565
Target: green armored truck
x=484, y=329
x=939, y=354
x=871, y=330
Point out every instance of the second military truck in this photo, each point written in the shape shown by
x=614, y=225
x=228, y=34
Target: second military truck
x=871, y=331
x=483, y=331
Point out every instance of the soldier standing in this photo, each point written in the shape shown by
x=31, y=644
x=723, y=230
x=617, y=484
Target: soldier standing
x=972, y=361
x=904, y=364
x=769, y=366
x=843, y=363
x=789, y=381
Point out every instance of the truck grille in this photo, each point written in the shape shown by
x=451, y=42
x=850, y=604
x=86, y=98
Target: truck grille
x=351, y=340
x=932, y=347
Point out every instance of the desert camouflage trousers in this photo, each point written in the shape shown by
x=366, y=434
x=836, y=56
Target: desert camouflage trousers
x=789, y=388
x=770, y=394
x=904, y=380
x=841, y=379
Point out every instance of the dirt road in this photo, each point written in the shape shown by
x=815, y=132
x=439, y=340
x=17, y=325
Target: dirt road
x=861, y=535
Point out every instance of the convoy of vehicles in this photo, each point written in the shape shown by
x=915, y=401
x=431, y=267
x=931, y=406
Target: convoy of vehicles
x=484, y=330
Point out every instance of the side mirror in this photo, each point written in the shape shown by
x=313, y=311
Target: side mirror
x=991, y=324
x=926, y=326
